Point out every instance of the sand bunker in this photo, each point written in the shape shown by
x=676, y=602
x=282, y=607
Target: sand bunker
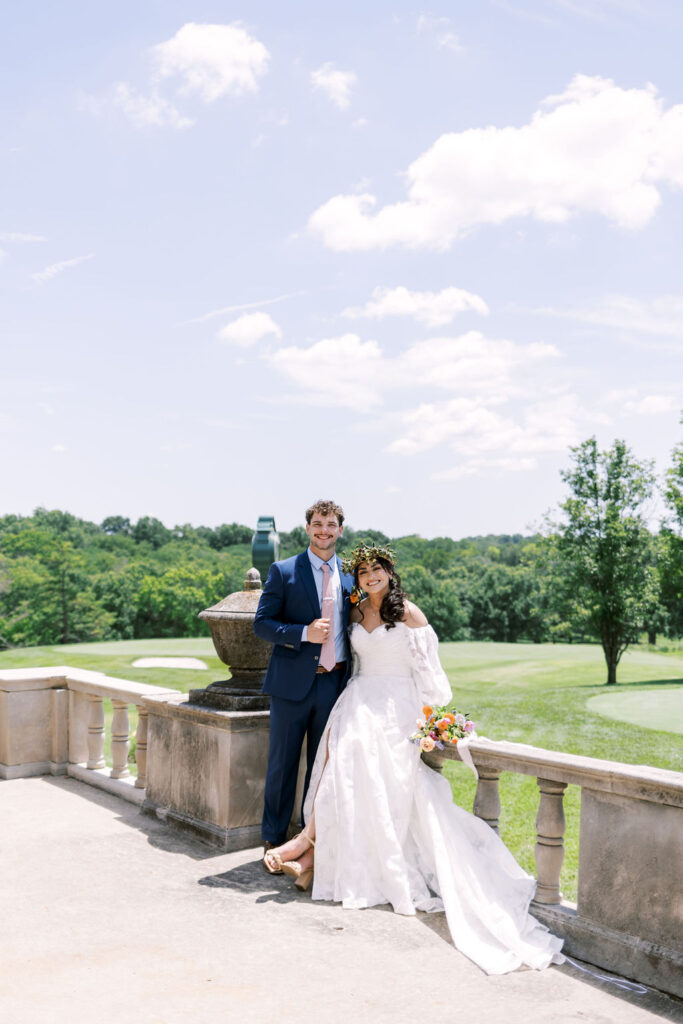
x=169, y=663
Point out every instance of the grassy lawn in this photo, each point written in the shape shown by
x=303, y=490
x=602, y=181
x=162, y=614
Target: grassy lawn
x=542, y=694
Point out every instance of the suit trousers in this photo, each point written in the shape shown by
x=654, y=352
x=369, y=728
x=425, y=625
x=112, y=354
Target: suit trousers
x=290, y=722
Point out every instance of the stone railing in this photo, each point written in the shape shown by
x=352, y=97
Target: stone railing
x=629, y=912
x=52, y=721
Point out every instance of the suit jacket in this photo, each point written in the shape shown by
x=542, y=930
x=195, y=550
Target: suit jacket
x=288, y=603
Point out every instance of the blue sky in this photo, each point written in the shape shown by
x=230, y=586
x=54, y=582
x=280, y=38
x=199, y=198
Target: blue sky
x=404, y=257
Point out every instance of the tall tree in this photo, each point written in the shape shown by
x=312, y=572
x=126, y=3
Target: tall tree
x=604, y=577
x=671, y=557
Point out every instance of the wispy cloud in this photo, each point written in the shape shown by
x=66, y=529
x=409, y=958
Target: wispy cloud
x=336, y=84
x=57, y=268
x=441, y=31
x=148, y=110
x=242, y=306
x=20, y=236
x=600, y=10
x=520, y=12
x=662, y=315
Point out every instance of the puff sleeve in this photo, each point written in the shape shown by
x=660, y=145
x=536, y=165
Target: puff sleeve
x=432, y=681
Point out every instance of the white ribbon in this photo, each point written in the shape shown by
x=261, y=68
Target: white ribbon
x=463, y=747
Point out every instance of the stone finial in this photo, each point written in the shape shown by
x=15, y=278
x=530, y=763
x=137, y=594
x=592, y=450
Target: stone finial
x=252, y=581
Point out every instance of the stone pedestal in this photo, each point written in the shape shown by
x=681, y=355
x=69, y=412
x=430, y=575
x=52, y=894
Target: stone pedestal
x=231, y=623
x=207, y=770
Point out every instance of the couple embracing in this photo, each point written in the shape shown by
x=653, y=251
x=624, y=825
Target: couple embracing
x=380, y=826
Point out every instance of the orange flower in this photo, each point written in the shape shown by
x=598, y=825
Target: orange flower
x=354, y=599
x=450, y=716
x=427, y=710
x=454, y=740
x=443, y=723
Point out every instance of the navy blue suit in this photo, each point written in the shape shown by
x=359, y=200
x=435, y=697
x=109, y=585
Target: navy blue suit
x=301, y=699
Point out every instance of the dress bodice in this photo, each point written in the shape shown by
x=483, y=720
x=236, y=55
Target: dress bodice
x=384, y=652
x=399, y=653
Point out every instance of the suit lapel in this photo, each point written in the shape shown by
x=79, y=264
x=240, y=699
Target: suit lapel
x=306, y=572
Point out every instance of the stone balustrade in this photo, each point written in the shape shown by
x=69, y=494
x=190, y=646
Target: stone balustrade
x=52, y=721
x=629, y=913
x=207, y=770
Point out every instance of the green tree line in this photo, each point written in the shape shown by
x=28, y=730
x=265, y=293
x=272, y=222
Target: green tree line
x=595, y=571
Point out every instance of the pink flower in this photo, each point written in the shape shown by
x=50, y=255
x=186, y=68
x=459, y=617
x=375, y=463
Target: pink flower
x=420, y=722
x=427, y=744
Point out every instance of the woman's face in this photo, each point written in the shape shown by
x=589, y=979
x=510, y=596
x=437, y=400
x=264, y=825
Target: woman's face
x=373, y=578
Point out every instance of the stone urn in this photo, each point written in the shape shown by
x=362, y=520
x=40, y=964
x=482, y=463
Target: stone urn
x=231, y=622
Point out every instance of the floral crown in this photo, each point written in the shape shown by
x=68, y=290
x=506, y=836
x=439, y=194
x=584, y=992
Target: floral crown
x=366, y=553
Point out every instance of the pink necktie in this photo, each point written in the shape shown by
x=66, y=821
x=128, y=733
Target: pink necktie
x=327, y=656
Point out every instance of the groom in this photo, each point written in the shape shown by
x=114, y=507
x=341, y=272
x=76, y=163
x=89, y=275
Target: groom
x=304, y=613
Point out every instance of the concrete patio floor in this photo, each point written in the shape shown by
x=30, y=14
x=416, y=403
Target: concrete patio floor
x=109, y=916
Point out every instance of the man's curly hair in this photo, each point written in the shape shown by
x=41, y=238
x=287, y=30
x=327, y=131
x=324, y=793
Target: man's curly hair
x=325, y=508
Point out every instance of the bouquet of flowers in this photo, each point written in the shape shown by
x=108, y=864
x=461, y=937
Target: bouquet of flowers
x=441, y=726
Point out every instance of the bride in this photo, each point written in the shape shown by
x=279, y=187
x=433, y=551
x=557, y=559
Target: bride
x=381, y=827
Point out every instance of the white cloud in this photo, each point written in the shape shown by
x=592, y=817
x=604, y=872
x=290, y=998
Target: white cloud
x=144, y=111
x=336, y=85
x=341, y=371
x=249, y=329
x=58, y=268
x=358, y=374
x=212, y=60
x=441, y=32
x=661, y=316
x=596, y=148
x=431, y=308
x=470, y=426
x=651, y=405
x=20, y=236
x=470, y=362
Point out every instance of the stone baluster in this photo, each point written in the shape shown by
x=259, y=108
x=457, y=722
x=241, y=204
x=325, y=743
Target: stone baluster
x=141, y=748
x=120, y=740
x=96, y=732
x=487, y=798
x=549, y=851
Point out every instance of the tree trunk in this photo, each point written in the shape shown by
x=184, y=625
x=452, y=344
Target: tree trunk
x=65, y=610
x=611, y=652
x=652, y=637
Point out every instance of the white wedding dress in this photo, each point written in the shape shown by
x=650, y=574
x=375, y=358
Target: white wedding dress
x=387, y=830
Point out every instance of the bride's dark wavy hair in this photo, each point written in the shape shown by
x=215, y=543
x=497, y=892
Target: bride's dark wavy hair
x=392, y=608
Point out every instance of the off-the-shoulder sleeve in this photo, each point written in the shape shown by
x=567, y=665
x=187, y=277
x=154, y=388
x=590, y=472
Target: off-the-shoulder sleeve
x=431, y=679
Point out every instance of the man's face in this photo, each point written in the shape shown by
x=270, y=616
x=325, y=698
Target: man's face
x=323, y=532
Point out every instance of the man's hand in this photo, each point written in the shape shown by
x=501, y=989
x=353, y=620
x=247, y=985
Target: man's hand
x=318, y=631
